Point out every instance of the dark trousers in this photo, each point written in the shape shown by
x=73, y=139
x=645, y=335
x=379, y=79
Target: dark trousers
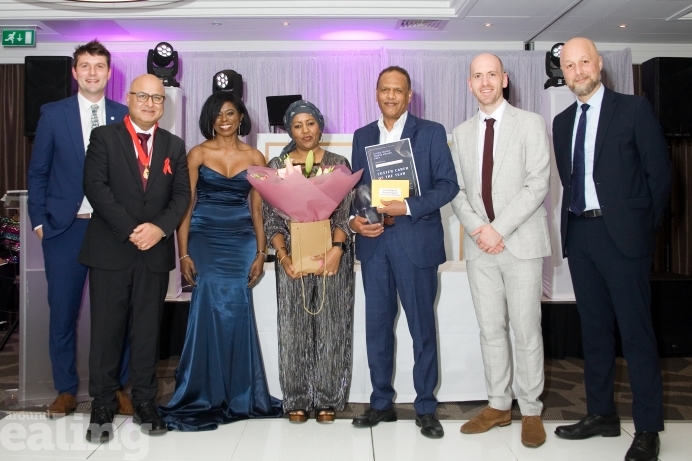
x=66, y=278
x=387, y=271
x=132, y=297
x=611, y=287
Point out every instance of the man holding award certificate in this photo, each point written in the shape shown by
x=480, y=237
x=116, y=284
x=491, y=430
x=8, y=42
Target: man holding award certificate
x=402, y=254
x=503, y=165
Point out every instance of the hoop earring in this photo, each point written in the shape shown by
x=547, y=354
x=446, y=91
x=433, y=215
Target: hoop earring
x=213, y=133
x=239, y=131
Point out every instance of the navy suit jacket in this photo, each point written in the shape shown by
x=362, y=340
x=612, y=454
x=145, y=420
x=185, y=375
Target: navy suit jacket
x=421, y=233
x=632, y=170
x=56, y=168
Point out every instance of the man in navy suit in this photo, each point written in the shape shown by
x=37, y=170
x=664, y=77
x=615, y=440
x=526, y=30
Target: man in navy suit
x=60, y=213
x=402, y=256
x=616, y=174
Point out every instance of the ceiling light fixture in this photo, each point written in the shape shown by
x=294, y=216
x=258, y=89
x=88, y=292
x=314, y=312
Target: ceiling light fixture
x=622, y=26
x=488, y=24
x=286, y=23
x=216, y=23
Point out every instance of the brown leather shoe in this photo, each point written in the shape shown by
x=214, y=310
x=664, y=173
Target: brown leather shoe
x=486, y=420
x=532, y=431
x=63, y=405
x=124, y=403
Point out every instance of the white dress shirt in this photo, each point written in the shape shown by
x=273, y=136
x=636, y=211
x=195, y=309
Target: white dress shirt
x=393, y=136
x=85, y=119
x=150, y=141
x=497, y=115
x=592, y=115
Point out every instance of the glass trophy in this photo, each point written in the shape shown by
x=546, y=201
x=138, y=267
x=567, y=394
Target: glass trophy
x=363, y=205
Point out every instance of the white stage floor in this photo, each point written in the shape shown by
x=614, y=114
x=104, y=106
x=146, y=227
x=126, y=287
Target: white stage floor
x=26, y=436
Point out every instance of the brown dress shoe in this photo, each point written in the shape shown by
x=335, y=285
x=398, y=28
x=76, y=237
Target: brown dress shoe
x=63, y=405
x=124, y=403
x=532, y=431
x=486, y=420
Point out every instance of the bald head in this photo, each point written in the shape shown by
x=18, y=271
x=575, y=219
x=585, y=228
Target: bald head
x=486, y=80
x=581, y=65
x=145, y=113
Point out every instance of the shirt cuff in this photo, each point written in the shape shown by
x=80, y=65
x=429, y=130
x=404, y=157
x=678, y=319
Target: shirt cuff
x=408, y=210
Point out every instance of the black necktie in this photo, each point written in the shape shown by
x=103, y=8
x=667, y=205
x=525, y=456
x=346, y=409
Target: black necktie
x=487, y=172
x=577, y=202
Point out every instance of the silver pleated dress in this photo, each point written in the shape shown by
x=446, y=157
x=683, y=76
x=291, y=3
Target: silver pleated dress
x=315, y=351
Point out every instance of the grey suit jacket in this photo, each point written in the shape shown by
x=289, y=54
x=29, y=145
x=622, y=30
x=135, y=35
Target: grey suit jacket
x=520, y=182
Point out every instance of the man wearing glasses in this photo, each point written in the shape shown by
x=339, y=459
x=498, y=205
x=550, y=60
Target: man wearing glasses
x=60, y=213
x=136, y=178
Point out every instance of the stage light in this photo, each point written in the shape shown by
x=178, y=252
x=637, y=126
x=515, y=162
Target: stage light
x=228, y=80
x=158, y=61
x=552, y=67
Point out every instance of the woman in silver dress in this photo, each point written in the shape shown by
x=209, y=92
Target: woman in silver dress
x=315, y=311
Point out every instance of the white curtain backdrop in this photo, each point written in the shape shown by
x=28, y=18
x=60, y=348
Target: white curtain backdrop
x=342, y=83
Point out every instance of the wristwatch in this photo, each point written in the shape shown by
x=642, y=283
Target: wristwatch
x=341, y=245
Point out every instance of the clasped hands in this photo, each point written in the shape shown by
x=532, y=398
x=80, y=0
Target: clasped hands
x=146, y=235
x=489, y=240
x=328, y=266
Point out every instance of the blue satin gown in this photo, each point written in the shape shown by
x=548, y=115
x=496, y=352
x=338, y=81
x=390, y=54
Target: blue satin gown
x=221, y=377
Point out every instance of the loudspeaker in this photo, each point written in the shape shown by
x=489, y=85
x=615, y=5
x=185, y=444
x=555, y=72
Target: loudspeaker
x=666, y=84
x=277, y=106
x=46, y=79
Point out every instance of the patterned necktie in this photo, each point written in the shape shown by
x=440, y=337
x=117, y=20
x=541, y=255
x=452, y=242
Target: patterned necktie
x=94, y=116
x=143, y=139
x=577, y=202
x=487, y=172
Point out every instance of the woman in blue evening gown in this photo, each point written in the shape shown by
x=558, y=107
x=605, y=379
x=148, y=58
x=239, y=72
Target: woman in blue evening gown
x=221, y=375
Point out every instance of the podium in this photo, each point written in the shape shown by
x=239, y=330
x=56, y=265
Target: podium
x=35, y=371
x=557, y=281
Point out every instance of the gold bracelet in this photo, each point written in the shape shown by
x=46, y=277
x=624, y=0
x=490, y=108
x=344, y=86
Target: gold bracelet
x=282, y=259
x=183, y=257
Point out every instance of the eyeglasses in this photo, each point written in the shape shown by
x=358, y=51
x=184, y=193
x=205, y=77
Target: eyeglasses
x=143, y=97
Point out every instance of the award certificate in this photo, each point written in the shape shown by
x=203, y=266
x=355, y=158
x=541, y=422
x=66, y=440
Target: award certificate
x=393, y=160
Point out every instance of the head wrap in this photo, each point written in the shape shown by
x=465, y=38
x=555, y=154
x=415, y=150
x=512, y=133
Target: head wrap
x=299, y=107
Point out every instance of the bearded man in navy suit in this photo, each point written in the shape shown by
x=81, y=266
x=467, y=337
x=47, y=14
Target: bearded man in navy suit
x=616, y=174
x=403, y=255
x=60, y=213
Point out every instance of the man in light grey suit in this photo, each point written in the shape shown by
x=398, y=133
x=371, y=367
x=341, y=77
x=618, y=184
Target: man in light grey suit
x=502, y=160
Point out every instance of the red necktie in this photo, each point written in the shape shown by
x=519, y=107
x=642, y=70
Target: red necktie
x=143, y=140
x=487, y=173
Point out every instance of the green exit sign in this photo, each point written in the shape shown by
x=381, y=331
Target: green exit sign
x=18, y=37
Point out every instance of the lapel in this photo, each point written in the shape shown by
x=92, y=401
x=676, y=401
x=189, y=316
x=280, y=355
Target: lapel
x=566, y=139
x=607, y=110
x=111, y=112
x=509, y=121
x=472, y=148
x=158, y=157
x=75, y=129
x=128, y=150
x=409, y=130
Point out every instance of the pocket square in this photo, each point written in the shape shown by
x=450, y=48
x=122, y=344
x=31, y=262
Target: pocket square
x=167, y=166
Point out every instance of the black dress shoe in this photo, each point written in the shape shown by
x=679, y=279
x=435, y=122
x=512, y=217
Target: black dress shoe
x=371, y=417
x=148, y=417
x=100, y=425
x=645, y=447
x=590, y=425
x=430, y=426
